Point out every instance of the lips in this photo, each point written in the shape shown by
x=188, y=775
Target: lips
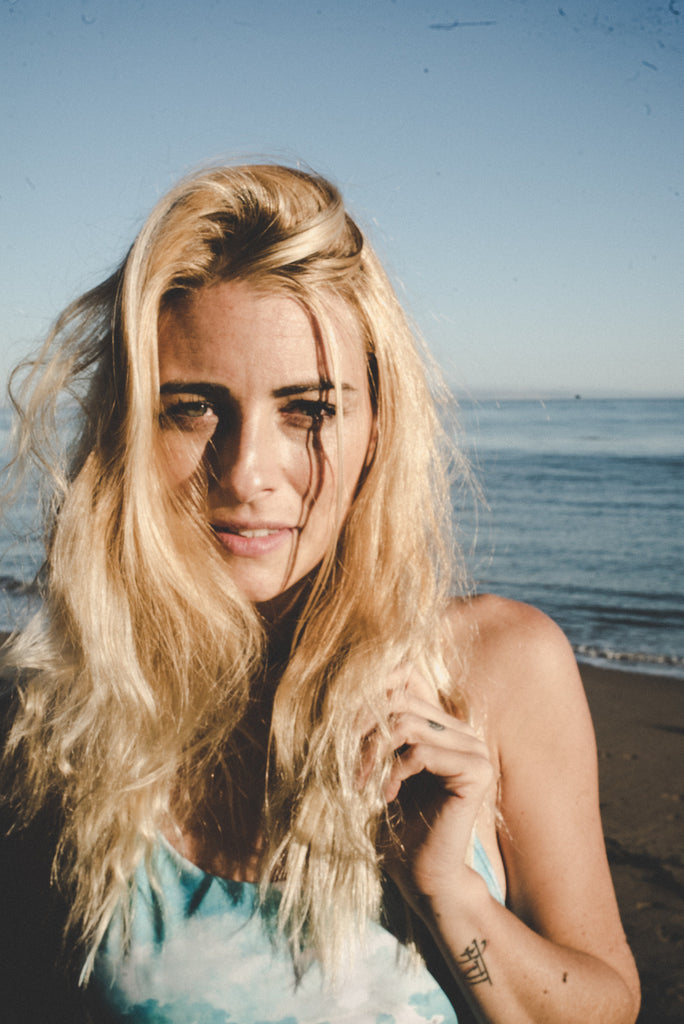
x=260, y=532
x=250, y=540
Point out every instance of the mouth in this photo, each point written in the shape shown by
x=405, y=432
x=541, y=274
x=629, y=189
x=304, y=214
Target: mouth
x=264, y=531
x=249, y=529
x=252, y=541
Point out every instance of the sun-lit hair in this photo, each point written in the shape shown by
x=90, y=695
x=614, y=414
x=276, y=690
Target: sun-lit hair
x=136, y=676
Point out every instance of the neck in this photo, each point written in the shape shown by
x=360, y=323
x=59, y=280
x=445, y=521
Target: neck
x=280, y=618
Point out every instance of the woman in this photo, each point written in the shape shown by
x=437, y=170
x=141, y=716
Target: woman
x=266, y=743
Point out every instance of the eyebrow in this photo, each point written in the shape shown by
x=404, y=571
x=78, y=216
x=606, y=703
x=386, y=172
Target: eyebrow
x=303, y=389
x=219, y=392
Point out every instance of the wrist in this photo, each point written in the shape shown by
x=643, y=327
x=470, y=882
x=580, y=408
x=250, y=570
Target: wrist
x=463, y=896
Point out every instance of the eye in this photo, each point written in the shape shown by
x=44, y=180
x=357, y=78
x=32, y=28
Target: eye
x=188, y=413
x=308, y=413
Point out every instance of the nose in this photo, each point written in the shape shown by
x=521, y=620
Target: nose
x=244, y=460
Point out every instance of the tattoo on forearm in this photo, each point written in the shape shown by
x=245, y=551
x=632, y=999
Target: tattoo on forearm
x=472, y=963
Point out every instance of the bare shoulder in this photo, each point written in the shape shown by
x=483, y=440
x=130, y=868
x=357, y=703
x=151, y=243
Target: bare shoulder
x=494, y=620
x=513, y=659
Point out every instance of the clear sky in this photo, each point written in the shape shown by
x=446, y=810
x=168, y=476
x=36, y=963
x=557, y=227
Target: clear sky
x=519, y=164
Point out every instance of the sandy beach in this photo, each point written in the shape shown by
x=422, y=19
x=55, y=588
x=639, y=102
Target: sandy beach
x=639, y=722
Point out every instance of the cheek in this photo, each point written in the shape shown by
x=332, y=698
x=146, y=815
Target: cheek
x=324, y=476
x=180, y=456
x=310, y=467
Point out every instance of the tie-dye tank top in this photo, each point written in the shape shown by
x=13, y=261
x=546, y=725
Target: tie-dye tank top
x=205, y=956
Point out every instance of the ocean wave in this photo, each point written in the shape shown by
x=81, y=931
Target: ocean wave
x=672, y=663
x=11, y=585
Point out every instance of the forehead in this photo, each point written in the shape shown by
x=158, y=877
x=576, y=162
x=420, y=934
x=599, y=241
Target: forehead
x=234, y=331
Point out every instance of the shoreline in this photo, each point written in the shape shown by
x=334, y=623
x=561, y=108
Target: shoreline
x=670, y=667
x=639, y=723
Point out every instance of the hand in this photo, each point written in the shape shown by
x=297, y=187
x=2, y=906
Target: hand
x=438, y=781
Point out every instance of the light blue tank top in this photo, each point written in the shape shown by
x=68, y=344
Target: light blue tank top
x=206, y=955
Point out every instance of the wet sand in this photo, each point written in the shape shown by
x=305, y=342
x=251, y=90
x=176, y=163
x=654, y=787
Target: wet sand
x=639, y=722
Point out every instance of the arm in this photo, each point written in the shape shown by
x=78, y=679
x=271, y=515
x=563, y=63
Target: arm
x=557, y=952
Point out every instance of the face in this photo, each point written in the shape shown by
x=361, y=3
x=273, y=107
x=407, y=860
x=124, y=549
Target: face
x=247, y=393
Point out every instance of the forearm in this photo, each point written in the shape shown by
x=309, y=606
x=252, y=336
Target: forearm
x=511, y=975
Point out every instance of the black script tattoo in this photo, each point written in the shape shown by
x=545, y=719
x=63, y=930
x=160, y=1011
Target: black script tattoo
x=472, y=963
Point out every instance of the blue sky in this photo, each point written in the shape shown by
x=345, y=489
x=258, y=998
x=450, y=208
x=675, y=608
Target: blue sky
x=519, y=164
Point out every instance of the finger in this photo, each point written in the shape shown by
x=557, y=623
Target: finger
x=437, y=726
x=442, y=731
x=415, y=716
x=459, y=772
x=380, y=740
x=408, y=700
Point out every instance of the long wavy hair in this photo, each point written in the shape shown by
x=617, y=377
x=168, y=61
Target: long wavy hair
x=136, y=678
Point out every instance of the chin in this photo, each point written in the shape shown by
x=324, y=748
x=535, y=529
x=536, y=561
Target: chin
x=286, y=602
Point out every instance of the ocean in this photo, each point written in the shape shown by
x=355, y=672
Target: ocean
x=583, y=516
x=581, y=513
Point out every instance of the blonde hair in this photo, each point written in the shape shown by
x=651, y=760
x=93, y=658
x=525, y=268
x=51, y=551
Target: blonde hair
x=136, y=676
